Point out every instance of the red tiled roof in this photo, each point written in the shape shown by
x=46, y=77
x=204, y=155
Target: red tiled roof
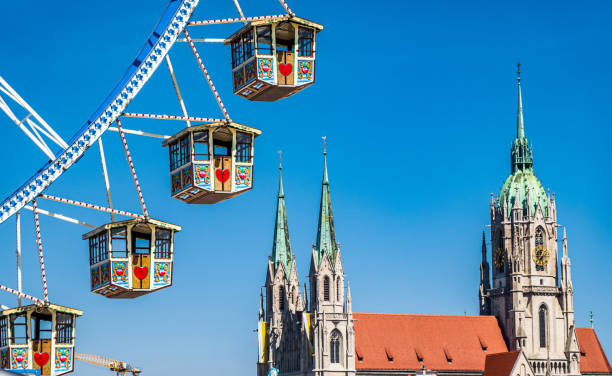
x=500, y=364
x=592, y=356
x=399, y=341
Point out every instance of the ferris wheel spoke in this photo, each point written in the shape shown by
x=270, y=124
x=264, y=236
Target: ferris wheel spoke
x=139, y=133
x=91, y=206
x=128, y=156
x=237, y=5
x=286, y=6
x=43, y=271
x=177, y=90
x=22, y=295
x=207, y=76
x=106, y=180
x=60, y=216
x=19, y=100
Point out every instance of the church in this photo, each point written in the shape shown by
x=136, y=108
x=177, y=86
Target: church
x=526, y=322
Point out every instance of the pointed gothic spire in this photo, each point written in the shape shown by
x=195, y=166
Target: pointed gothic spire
x=521, y=152
x=281, y=247
x=520, y=127
x=484, y=247
x=261, y=307
x=564, y=243
x=349, y=301
x=326, y=236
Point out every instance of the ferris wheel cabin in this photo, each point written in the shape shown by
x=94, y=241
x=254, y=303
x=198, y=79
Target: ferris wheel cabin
x=36, y=337
x=211, y=162
x=131, y=258
x=273, y=59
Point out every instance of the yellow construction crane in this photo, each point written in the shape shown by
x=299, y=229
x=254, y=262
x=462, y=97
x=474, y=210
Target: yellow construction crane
x=122, y=368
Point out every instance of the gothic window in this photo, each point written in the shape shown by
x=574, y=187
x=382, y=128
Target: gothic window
x=539, y=242
x=542, y=315
x=326, y=289
x=338, y=290
x=281, y=298
x=334, y=347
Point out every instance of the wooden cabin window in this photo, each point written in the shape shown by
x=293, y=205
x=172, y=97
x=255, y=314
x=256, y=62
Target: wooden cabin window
x=285, y=37
x=179, y=153
x=247, y=45
x=119, y=242
x=19, y=332
x=98, y=248
x=222, y=149
x=175, y=155
x=162, y=243
x=63, y=328
x=243, y=147
x=41, y=327
x=142, y=243
x=236, y=53
x=264, y=40
x=305, y=42
x=200, y=146
x=185, y=150
x=3, y=331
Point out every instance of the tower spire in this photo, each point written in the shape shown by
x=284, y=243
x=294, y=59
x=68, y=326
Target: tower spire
x=520, y=127
x=326, y=236
x=281, y=247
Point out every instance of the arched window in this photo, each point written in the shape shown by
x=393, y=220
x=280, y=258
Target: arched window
x=543, y=316
x=293, y=296
x=281, y=298
x=334, y=347
x=539, y=242
x=338, y=290
x=326, y=289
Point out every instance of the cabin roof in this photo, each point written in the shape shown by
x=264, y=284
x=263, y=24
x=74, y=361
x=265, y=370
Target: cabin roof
x=34, y=307
x=269, y=21
x=217, y=124
x=152, y=221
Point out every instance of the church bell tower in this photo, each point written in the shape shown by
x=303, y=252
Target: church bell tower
x=530, y=296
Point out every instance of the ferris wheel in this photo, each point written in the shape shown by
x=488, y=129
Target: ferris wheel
x=211, y=160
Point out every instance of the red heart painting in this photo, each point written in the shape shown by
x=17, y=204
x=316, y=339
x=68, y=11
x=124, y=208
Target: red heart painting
x=41, y=359
x=162, y=273
x=119, y=272
x=222, y=175
x=141, y=272
x=285, y=69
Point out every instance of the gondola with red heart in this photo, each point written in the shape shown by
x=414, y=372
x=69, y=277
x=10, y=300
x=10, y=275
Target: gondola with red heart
x=211, y=162
x=273, y=58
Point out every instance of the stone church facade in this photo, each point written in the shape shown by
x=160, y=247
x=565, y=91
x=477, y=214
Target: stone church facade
x=526, y=322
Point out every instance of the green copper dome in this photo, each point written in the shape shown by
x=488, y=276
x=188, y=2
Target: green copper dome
x=518, y=184
x=522, y=180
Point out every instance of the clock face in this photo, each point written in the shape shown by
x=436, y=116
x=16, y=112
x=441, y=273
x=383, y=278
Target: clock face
x=498, y=258
x=541, y=255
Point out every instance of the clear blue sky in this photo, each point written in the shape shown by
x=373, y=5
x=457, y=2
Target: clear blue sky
x=418, y=101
